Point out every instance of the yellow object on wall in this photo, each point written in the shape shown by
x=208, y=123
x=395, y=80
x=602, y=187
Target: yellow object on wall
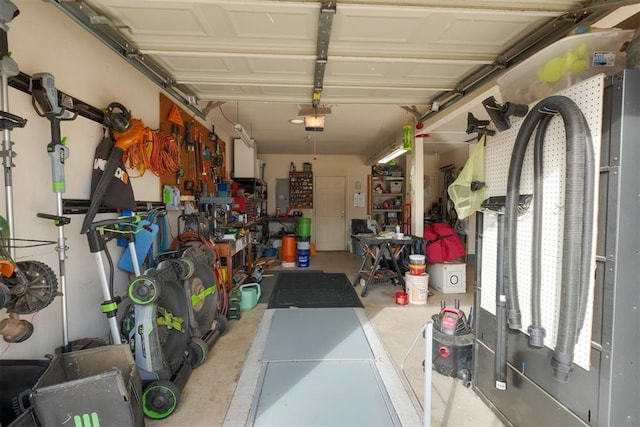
x=573, y=62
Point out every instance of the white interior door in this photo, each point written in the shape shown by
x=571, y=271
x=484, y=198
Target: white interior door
x=329, y=208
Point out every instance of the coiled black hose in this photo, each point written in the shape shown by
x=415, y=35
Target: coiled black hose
x=578, y=224
x=535, y=330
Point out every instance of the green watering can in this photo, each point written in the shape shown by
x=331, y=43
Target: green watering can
x=249, y=296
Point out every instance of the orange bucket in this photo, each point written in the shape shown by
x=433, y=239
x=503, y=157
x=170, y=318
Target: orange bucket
x=417, y=269
x=289, y=249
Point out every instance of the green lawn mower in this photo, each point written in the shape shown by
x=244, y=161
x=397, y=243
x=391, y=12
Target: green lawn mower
x=171, y=321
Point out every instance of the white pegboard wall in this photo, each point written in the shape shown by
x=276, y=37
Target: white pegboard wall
x=588, y=96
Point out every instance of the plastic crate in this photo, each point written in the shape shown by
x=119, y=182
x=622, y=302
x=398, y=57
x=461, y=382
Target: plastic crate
x=99, y=386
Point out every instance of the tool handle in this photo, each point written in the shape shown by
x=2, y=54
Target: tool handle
x=451, y=310
x=58, y=154
x=188, y=134
x=58, y=220
x=115, y=221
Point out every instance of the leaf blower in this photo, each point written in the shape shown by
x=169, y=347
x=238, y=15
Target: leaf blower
x=125, y=131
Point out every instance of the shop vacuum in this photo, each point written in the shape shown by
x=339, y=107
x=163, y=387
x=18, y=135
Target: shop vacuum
x=452, y=348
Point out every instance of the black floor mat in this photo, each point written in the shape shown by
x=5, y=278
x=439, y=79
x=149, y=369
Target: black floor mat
x=268, y=283
x=313, y=290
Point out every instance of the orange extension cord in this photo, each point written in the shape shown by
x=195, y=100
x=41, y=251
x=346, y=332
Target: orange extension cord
x=199, y=241
x=156, y=152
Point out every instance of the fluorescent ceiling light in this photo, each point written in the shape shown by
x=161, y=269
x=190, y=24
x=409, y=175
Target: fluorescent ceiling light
x=392, y=155
x=243, y=135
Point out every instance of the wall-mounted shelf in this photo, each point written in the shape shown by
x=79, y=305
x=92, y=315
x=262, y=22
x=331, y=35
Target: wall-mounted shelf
x=254, y=201
x=301, y=190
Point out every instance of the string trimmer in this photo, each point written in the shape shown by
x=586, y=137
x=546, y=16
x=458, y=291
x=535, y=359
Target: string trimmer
x=45, y=102
x=25, y=288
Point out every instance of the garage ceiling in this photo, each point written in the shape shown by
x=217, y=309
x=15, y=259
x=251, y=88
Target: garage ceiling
x=377, y=64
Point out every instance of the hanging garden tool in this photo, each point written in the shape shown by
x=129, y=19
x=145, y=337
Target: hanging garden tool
x=119, y=192
x=202, y=167
x=45, y=102
x=218, y=159
x=175, y=132
x=189, y=184
x=125, y=131
x=25, y=288
x=175, y=118
x=8, y=121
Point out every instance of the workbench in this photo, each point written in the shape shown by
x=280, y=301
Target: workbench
x=236, y=253
x=288, y=226
x=375, y=249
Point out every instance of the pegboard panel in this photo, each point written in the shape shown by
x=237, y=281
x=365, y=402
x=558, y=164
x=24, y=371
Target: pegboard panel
x=588, y=96
x=201, y=172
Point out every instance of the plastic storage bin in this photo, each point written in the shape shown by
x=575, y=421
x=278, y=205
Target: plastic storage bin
x=17, y=378
x=395, y=187
x=448, y=278
x=563, y=64
x=98, y=386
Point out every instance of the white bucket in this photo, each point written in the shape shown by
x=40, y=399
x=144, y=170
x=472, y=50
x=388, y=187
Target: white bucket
x=417, y=288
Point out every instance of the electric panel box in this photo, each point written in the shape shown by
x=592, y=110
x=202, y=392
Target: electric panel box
x=448, y=278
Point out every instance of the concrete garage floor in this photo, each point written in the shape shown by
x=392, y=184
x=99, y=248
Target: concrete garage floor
x=205, y=399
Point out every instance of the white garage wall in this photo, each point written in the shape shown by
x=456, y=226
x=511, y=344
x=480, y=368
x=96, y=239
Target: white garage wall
x=42, y=39
x=353, y=168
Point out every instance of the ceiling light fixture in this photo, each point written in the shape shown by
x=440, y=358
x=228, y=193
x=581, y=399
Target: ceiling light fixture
x=395, y=152
x=314, y=118
x=297, y=121
x=388, y=154
x=314, y=123
x=243, y=135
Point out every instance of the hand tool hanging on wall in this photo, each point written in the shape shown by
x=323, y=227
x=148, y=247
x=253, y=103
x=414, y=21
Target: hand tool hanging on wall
x=207, y=166
x=198, y=161
x=189, y=184
x=217, y=159
x=45, y=102
x=497, y=206
x=175, y=131
x=175, y=118
x=202, y=167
